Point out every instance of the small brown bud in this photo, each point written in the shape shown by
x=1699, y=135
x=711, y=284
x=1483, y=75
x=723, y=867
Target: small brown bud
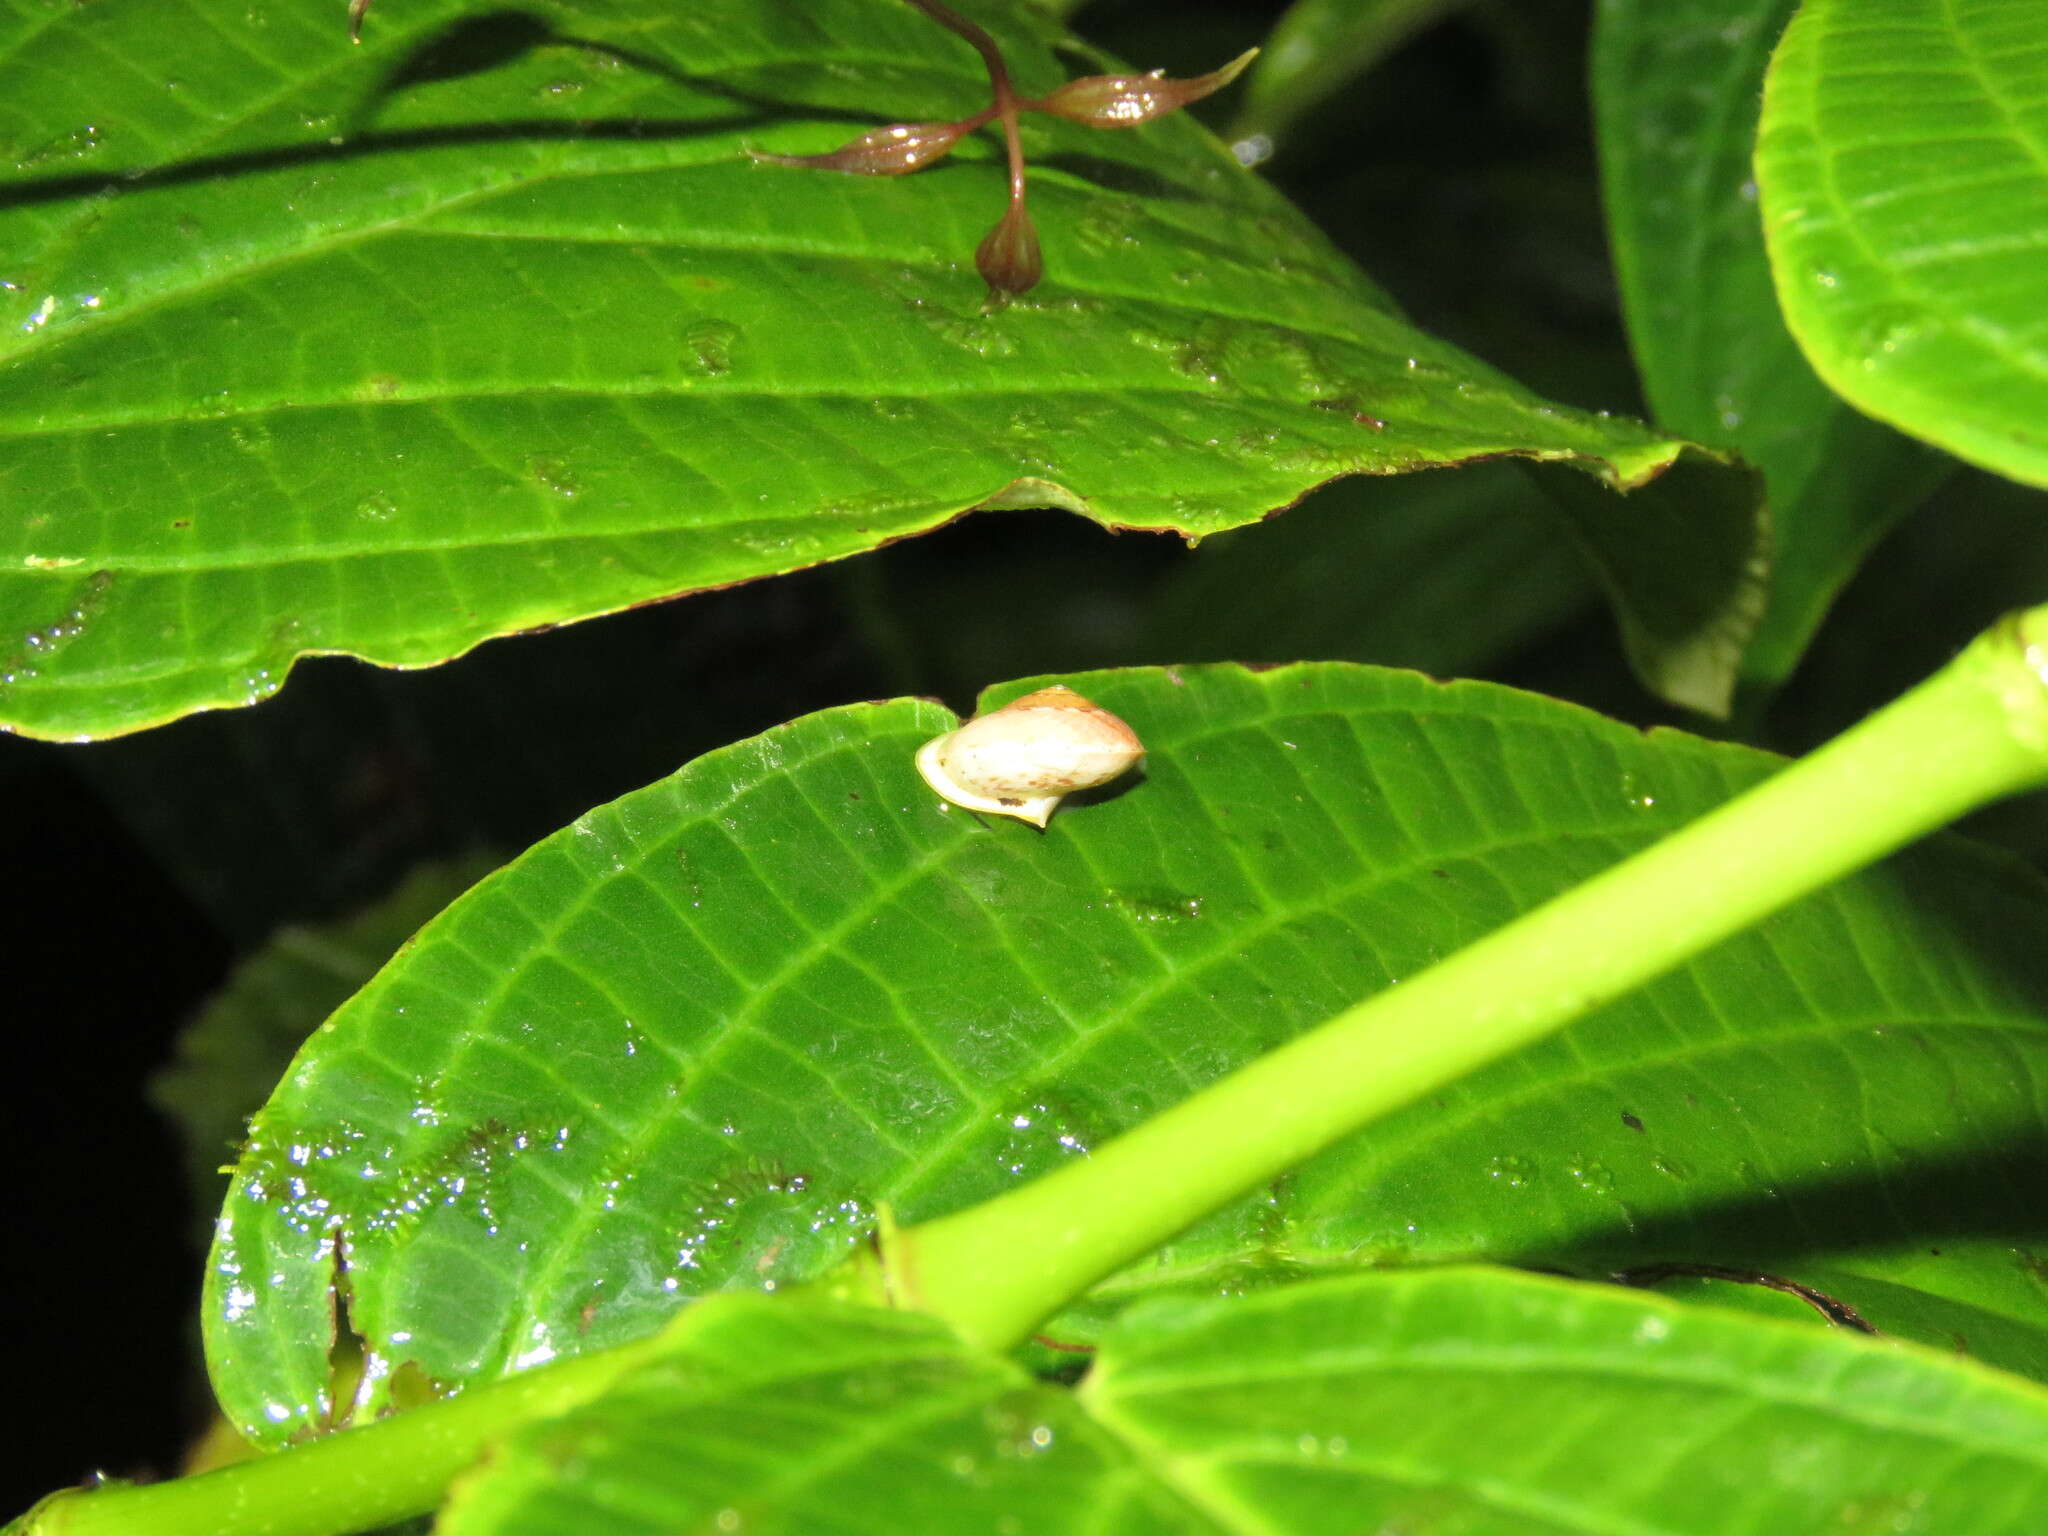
x=1124, y=101
x=357, y=10
x=1008, y=258
x=893, y=151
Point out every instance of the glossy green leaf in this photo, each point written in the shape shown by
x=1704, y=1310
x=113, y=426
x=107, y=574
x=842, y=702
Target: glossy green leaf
x=1470, y=1403
x=1677, y=91
x=232, y=1054
x=2015, y=1338
x=1903, y=166
x=695, y=1040
x=492, y=324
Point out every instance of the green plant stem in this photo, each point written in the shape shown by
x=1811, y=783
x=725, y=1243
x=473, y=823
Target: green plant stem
x=1318, y=45
x=355, y=1480
x=1976, y=731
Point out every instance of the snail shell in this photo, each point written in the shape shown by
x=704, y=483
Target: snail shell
x=1022, y=759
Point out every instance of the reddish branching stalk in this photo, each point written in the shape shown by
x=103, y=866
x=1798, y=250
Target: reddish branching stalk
x=1008, y=258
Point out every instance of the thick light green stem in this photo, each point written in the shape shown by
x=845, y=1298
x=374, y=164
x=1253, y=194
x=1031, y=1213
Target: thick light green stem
x=359, y=1479
x=1317, y=46
x=352, y=1481
x=1976, y=731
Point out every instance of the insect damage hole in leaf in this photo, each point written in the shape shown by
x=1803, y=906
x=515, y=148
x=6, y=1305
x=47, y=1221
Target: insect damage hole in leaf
x=366, y=1379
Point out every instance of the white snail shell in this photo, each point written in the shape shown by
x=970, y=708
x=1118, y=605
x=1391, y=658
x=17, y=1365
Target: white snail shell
x=1023, y=759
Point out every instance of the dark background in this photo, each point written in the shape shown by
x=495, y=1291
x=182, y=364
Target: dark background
x=1460, y=174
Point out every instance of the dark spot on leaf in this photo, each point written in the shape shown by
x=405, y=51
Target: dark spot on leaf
x=1047, y=1342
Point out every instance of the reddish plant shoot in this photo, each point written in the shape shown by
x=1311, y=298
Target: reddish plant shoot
x=1124, y=101
x=893, y=151
x=1008, y=257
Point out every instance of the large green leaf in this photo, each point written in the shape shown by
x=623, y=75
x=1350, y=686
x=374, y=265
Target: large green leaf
x=1462, y=1403
x=232, y=1054
x=1903, y=166
x=1677, y=88
x=693, y=1041
x=492, y=324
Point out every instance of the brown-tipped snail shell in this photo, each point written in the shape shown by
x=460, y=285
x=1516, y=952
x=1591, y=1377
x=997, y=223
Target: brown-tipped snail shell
x=1023, y=759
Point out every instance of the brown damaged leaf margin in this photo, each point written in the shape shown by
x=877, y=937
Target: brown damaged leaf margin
x=1691, y=663
x=1831, y=1308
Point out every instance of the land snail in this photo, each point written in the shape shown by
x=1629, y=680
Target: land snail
x=1023, y=759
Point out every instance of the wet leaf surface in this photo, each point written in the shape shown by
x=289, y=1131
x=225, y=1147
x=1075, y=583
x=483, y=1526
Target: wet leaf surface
x=1903, y=166
x=492, y=324
x=695, y=1040
x=1470, y=1402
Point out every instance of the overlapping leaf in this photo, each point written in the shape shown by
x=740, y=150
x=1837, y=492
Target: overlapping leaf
x=696, y=1039
x=232, y=1054
x=1903, y=166
x=1460, y=1402
x=491, y=324
x=1443, y=573
x=1446, y=576
x=1677, y=89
